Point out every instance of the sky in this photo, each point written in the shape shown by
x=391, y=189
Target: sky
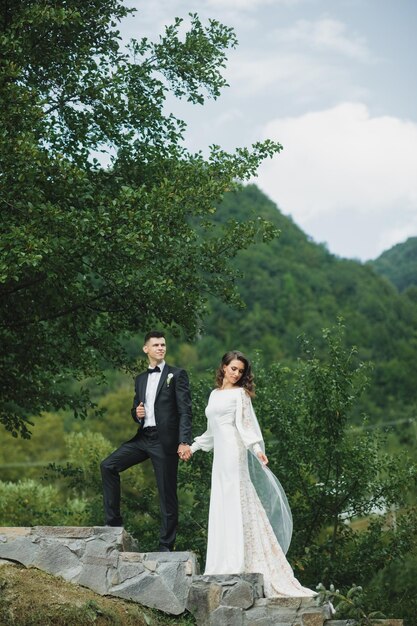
x=335, y=82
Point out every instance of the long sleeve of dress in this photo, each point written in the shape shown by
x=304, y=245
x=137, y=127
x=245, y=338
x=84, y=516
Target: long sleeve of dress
x=203, y=442
x=247, y=424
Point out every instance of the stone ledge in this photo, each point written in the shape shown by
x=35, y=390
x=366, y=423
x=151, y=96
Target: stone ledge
x=238, y=601
x=106, y=560
x=114, y=535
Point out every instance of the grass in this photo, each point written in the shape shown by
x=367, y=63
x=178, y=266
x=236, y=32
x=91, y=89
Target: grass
x=30, y=597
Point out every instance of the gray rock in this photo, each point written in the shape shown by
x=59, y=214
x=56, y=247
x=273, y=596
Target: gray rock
x=152, y=591
x=104, y=559
x=254, y=580
x=256, y=616
x=232, y=616
x=22, y=549
x=203, y=598
x=125, y=571
x=240, y=594
x=56, y=558
x=312, y=618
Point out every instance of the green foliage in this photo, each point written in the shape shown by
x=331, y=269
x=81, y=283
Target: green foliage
x=28, y=458
x=399, y=264
x=349, y=606
x=392, y=589
x=117, y=405
x=333, y=473
x=81, y=243
x=28, y=503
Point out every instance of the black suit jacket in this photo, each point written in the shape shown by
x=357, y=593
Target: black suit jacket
x=172, y=406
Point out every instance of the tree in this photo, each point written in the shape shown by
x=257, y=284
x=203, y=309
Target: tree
x=90, y=252
x=349, y=497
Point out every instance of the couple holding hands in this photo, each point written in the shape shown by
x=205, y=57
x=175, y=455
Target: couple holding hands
x=250, y=524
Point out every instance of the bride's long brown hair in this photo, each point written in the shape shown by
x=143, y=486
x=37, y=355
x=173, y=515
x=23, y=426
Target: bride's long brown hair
x=246, y=380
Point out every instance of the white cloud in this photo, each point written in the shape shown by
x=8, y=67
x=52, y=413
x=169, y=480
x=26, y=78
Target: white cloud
x=259, y=72
x=342, y=167
x=326, y=35
x=309, y=61
x=305, y=78
x=397, y=234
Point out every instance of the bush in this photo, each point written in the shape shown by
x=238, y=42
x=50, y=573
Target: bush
x=28, y=503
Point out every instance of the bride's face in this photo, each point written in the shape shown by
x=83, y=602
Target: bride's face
x=233, y=372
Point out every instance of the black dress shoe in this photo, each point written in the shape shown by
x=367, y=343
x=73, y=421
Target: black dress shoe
x=164, y=549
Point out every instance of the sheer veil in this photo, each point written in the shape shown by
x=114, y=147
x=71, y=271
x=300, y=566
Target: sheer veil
x=267, y=486
x=273, y=499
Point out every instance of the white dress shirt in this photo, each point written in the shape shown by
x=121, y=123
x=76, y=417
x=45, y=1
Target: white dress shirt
x=151, y=387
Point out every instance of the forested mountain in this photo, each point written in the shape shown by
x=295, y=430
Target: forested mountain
x=294, y=286
x=399, y=264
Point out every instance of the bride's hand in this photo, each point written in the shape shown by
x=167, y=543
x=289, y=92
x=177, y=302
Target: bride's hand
x=263, y=458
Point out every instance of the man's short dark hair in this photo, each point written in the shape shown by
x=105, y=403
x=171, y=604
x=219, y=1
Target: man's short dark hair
x=153, y=333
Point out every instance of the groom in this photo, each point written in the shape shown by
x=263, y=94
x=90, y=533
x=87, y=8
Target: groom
x=162, y=408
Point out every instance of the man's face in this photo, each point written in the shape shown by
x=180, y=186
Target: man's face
x=155, y=348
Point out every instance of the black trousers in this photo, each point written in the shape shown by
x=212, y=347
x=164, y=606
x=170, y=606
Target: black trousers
x=136, y=450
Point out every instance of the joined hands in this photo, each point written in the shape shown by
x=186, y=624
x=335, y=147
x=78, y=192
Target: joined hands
x=184, y=452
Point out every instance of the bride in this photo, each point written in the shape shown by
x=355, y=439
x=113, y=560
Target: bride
x=250, y=522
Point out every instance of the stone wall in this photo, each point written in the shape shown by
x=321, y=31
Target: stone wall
x=239, y=601
x=107, y=561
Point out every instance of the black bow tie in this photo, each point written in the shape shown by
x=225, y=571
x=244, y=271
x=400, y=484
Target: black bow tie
x=155, y=369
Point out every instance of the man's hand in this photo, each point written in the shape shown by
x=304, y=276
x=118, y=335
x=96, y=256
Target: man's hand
x=140, y=411
x=184, y=452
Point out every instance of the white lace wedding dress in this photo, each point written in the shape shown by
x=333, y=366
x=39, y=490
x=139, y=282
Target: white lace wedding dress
x=240, y=535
